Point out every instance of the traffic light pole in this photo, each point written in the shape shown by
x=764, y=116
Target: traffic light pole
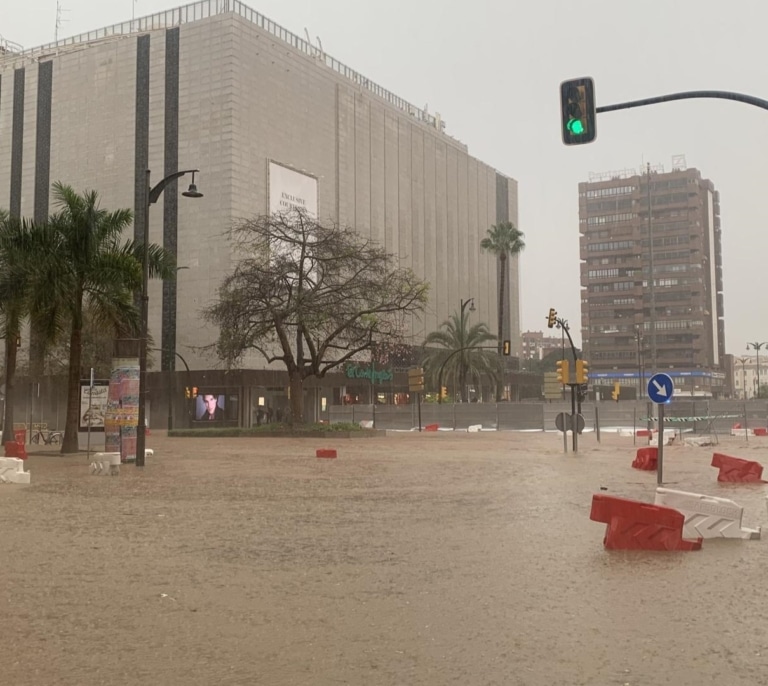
x=724, y=95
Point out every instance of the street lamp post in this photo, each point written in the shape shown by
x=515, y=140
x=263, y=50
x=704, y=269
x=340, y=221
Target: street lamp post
x=757, y=345
x=464, y=303
x=153, y=194
x=743, y=361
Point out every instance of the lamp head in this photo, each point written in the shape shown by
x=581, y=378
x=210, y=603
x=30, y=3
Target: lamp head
x=192, y=191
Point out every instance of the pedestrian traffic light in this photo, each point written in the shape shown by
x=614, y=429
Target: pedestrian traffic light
x=563, y=372
x=579, y=116
x=616, y=391
x=582, y=371
x=551, y=318
x=507, y=347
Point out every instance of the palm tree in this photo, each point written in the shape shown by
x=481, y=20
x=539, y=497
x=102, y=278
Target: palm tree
x=18, y=253
x=503, y=240
x=88, y=266
x=473, y=361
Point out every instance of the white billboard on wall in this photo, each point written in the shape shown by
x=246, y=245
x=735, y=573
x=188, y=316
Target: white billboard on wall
x=289, y=190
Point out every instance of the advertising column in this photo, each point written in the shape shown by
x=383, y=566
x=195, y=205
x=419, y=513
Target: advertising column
x=122, y=414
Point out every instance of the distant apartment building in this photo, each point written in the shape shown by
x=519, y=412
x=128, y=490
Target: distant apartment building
x=652, y=305
x=536, y=346
x=749, y=373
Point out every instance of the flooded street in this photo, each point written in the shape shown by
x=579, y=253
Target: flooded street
x=414, y=560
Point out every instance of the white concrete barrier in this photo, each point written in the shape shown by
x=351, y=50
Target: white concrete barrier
x=106, y=463
x=473, y=428
x=12, y=471
x=669, y=437
x=706, y=516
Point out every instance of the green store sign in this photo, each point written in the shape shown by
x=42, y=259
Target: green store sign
x=355, y=371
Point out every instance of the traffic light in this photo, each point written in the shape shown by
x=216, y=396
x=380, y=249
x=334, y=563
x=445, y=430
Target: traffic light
x=416, y=380
x=444, y=392
x=187, y=392
x=507, y=347
x=577, y=105
x=563, y=371
x=616, y=391
x=582, y=371
x=551, y=318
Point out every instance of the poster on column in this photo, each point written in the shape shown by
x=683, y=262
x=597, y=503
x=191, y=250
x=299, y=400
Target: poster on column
x=122, y=415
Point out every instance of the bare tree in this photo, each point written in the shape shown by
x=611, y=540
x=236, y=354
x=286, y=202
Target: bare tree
x=309, y=295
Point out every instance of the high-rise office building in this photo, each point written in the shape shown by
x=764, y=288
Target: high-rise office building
x=651, y=278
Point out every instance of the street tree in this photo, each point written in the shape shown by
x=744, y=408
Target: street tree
x=89, y=267
x=504, y=240
x=459, y=349
x=19, y=253
x=309, y=295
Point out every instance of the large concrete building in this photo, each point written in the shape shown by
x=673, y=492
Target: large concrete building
x=658, y=309
x=263, y=114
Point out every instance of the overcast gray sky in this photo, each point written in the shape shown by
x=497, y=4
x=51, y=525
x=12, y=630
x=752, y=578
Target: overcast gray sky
x=492, y=69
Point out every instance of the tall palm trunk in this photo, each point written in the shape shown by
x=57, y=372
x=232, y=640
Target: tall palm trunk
x=70, y=443
x=502, y=292
x=10, y=373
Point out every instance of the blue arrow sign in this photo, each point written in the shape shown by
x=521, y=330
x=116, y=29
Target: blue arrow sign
x=660, y=388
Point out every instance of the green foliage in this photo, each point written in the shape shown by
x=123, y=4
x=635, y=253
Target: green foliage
x=85, y=265
x=474, y=362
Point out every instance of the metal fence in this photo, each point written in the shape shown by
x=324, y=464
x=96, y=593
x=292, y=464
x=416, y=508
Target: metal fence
x=696, y=417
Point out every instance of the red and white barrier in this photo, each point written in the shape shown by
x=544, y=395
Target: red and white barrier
x=706, y=516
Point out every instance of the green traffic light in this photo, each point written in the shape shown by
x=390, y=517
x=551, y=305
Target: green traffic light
x=576, y=127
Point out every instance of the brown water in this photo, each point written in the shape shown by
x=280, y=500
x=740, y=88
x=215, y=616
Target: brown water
x=425, y=559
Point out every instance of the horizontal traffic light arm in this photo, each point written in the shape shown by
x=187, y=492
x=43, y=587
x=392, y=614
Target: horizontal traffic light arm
x=723, y=95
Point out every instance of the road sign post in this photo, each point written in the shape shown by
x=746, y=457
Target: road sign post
x=660, y=391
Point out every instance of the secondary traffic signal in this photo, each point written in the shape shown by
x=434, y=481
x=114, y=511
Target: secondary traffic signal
x=616, y=391
x=416, y=380
x=563, y=371
x=551, y=318
x=444, y=392
x=582, y=371
x=577, y=105
x=506, y=348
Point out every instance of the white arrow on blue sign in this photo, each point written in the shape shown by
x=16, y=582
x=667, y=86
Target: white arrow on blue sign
x=661, y=388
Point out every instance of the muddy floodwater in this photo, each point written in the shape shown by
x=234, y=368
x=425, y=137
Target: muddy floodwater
x=410, y=560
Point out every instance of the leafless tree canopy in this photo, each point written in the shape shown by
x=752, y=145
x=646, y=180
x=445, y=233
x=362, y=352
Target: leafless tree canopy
x=309, y=294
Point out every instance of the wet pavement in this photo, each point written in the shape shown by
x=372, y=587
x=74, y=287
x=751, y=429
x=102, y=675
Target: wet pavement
x=413, y=559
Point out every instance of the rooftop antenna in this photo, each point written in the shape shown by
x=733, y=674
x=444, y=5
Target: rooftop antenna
x=59, y=21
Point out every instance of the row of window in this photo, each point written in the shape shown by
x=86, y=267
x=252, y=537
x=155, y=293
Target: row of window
x=661, y=355
x=607, y=192
x=612, y=245
x=609, y=206
x=611, y=218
